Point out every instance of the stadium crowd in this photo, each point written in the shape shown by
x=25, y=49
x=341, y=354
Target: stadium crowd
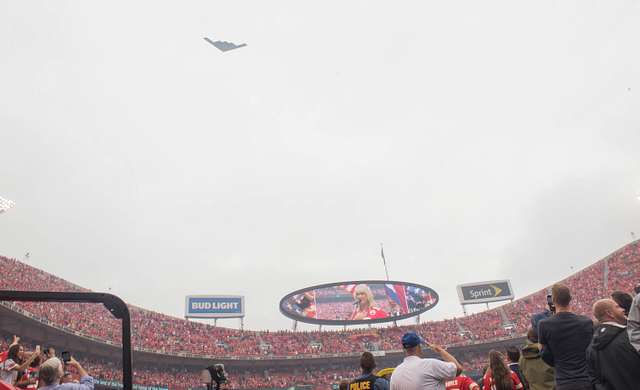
x=585, y=293
x=170, y=335
x=565, y=351
x=182, y=378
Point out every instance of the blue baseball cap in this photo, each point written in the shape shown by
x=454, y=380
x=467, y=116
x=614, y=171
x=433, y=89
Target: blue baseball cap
x=412, y=339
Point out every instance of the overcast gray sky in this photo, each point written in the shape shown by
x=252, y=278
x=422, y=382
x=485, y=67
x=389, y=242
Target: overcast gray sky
x=478, y=140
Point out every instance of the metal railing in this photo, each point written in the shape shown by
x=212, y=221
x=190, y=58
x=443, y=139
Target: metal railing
x=114, y=305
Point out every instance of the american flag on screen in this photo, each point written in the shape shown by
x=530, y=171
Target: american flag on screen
x=429, y=298
x=398, y=294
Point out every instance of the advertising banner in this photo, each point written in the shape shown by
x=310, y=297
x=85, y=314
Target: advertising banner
x=214, y=306
x=482, y=292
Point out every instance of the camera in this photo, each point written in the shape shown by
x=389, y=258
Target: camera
x=214, y=374
x=537, y=317
x=552, y=307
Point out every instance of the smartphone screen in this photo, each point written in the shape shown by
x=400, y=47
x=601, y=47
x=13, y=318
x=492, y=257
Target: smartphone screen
x=66, y=356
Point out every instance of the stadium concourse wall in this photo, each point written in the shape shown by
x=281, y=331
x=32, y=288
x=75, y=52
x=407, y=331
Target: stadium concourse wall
x=15, y=320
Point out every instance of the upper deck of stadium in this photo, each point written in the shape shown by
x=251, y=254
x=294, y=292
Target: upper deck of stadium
x=158, y=333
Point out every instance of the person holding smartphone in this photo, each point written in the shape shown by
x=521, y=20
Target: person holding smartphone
x=52, y=371
x=564, y=338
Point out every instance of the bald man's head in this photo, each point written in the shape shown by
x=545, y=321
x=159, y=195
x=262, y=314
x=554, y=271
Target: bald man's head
x=607, y=310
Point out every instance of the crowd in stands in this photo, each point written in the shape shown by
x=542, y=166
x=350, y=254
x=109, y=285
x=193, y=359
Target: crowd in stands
x=564, y=351
x=182, y=378
x=165, y=334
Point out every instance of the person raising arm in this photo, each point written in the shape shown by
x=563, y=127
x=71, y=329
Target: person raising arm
x=51, y=372
x=446, y=356
x=15, y=363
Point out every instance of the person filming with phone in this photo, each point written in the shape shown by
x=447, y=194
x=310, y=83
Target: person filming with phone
x=425, y=374
x=52, y=371
x=564, y=338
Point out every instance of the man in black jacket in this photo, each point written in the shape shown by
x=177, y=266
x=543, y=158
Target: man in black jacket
x=613, y=363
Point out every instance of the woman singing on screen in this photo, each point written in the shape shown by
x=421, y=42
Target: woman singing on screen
x=364, y=306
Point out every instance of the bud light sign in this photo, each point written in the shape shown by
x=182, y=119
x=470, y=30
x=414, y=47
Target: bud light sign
x=214, y=306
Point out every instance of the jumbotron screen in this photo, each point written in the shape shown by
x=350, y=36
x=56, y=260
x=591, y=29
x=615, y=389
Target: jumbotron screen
x=358, y=302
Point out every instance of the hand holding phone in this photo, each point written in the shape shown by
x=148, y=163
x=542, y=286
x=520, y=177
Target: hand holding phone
x=66, y=357
x=552, y=306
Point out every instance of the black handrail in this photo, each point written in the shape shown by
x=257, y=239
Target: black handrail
x=115, y=305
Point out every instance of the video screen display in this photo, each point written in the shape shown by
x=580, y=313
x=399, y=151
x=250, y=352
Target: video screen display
x=358, y=302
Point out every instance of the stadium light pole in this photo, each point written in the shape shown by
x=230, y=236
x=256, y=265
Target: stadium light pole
x=5, y=204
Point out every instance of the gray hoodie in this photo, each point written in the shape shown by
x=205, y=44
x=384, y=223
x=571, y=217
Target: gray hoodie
x=633, y=323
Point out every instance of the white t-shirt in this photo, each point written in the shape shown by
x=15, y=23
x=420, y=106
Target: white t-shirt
x=7, y=375
x=422, y=374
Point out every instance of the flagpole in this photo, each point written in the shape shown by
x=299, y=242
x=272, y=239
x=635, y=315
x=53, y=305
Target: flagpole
x=386, y=272
x=384, y=261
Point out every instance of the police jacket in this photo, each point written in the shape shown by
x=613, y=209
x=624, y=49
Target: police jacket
x=369, y=382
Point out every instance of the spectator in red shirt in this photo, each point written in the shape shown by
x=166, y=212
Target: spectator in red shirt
x=499, y=376
x=462, y=382
x=5, y=354
x=29, y=378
